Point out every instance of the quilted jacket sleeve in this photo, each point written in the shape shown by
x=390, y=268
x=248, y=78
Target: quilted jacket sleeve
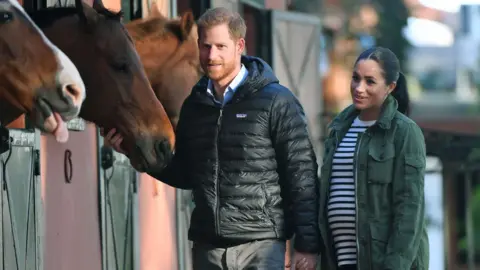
x=297, y=167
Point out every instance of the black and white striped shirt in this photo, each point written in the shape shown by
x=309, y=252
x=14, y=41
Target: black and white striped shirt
x=341, y=204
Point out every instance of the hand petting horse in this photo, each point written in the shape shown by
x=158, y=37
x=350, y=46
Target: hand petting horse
x=35, y=76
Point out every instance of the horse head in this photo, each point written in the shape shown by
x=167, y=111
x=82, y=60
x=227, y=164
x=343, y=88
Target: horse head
x=119, y=94
x=169, y=52
x=35, y=76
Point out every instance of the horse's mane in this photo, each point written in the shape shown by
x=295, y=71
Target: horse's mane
x=47, y=16
x=158, y=26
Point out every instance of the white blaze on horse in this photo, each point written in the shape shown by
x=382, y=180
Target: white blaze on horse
x=35, y=76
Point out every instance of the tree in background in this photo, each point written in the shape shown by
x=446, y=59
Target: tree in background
x=475, y=208
x=393, y=15
x=385, y=21
x=353, y=25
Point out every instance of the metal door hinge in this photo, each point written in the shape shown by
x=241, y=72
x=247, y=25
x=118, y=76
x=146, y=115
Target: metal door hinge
x=36, y=162
x=5, y=141
x=134, y=183
x=107, y=158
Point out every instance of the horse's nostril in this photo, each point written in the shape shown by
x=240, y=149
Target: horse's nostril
x=74, y=93
x=164, y=149
x=161, y=147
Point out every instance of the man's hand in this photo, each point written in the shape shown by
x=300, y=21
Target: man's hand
x=112, y=140
x=303, y=261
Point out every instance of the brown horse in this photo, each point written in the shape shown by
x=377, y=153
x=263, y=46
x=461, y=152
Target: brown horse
x=169, y=52
x=119, y=94
x=35, y=76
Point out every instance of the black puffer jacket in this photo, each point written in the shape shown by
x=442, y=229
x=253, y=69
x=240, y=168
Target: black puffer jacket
x=250, y=164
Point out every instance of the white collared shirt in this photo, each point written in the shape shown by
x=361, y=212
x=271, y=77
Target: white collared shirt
x=232, y=87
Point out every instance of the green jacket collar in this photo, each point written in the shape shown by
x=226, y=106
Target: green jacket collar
x=346, y=117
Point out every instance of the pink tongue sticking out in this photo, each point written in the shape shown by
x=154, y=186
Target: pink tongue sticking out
x=61, y=132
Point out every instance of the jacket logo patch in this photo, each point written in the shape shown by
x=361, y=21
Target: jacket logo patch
x=241, y=115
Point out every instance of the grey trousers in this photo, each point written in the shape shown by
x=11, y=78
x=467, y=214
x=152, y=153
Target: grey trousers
x=256, y=255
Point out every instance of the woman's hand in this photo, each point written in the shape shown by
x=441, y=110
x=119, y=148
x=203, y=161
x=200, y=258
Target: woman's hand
x=112, y=140
x=303, y=261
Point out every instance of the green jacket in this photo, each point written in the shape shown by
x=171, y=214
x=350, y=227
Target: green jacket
x=389, y=169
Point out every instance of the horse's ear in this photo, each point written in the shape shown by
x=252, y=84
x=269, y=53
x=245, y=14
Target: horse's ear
x=80, y=12
x=98, y=5
x=155, y=10
x=186, y=23
x=87, y=15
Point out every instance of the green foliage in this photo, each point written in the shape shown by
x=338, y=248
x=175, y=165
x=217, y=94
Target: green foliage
x=474, y=155
x=475, y=204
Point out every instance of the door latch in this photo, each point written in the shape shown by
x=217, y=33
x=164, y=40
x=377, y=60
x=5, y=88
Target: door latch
x=5, y=141
x=107, y=157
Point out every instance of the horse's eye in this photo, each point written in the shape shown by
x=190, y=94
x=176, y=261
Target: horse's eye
x=120, y=66
x=6, y=17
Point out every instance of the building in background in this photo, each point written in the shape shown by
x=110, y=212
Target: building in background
x=442, y=68
x=448, y=111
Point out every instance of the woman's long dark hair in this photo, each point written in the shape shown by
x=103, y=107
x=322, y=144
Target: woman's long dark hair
x=390, y=65
x=400, y=93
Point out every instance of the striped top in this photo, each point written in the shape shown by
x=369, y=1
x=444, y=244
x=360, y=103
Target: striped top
x=341, y=204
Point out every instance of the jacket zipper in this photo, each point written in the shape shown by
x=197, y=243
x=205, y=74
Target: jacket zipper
x=217, y=169
x=330, y=176
x=356, y=197
x=332, y=252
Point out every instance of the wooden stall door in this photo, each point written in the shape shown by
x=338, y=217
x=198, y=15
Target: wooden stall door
x=293, y=43
x=158, y=249
x=70, y=183
x=185, y=205
x=118, y=204
x=20, y=206
x=294, y=55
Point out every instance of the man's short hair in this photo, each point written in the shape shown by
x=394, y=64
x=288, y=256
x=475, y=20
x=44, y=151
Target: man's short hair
x=218, y=16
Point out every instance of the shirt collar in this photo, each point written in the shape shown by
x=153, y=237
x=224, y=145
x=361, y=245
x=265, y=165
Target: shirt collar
x=232, y=87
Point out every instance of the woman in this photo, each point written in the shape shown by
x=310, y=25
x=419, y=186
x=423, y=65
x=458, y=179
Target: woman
x=372, y=199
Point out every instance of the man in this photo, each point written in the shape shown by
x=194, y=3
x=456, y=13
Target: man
x=243, y=148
